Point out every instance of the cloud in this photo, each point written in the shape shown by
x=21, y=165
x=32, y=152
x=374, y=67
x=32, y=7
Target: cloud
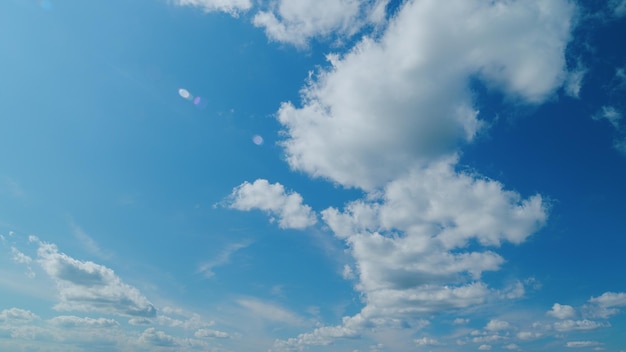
x=69, y=321
x=269, y=311
x=87, y=286
x=295, y=22
x=497, y=325
x=561, y=311
x=221, y=259
x=392, y=104
x=574, y=82
x=581, y=344
x=427, y=341
x=273, y=198
x=611, y=114
x=484, y=348
x=17, y=316
x=618, y=7
x=606, y=304
x=574, y=325
x=528, y=335
x=153, y=337
x=233, y=7
x=201, y=333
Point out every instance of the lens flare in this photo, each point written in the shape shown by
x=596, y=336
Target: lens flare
x=184, y=93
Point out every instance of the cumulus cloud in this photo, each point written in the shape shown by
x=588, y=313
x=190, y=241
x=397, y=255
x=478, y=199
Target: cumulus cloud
x=233, y=7
x=295, y=22
x=427, y=341
x=606, y=305
x=87, y=286
x=153, y=337
x=400, y=101
x=216, y=334
x=17, y=316
x=272, y=198
x=562, y=311
x=497, y=325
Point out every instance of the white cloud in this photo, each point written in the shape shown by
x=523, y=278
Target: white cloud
x=153, y=337
x=528, y=335
x=562, y=311
x=17, y=316
x=484, y=347
x=87, y=286
x=573, y=325
x=201, y=333
x=233, y=7
x=295, y=22
x=497, y=325
x=221, y=259
x=606, y=304
x=69, y=321
x=460, y=321
x=273, y=198
x=269, y=311
x=611, y=114
x=392, y=104
x=580, y=344
x=574, y=82
x=512, y=346
x=427, y=341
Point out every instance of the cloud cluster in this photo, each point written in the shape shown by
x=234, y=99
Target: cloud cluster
x=87, y=286
x=399, y=102
x=272, y=198
x=296, y=22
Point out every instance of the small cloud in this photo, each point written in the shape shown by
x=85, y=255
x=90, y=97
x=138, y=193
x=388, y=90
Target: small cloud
x=574, y=82
x=221, y=259
x=200, y=333
x=484, y=348
x=611, y=114
x=232, y=7
x=460, y=321
x=17, y=316
x=581, y=344
x=578, y=325
x=561, y=311
x=426, y=341
x=272, y=198
x=497, y=325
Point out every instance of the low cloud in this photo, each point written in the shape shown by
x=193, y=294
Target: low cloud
x=273, y=199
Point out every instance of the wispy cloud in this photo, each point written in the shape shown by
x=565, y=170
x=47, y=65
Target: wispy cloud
x=222, y=258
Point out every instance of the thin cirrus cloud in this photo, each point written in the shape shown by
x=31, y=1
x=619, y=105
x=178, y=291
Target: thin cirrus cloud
x=233, y=7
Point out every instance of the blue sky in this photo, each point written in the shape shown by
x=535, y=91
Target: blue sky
x=312, y=175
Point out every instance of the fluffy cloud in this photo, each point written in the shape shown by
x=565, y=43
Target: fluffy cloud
x=200, y=333
x=426, y=341
x=17, y=316
x=233, y=7
x=87, y=286
x=606, y=305
x=153, y=337
x=562, y=311
x=401, y=101
x=273, y=198
x=295, y=22
x=497, y=325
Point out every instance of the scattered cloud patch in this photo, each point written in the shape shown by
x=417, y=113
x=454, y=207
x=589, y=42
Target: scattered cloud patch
x=216, y=334
x=233, y=7
x=69, y=321
x=87, y=286
x=296, y=22
x=582, y=344
x=272, y=198
x=17, y=316
x=562, y=311
x=573, y=325
x=222, y=258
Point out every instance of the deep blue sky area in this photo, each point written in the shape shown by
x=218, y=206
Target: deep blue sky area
x=312, y=175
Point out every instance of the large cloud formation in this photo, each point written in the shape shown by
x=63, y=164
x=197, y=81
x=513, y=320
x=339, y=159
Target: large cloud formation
x=388, y=117
x=401, y=101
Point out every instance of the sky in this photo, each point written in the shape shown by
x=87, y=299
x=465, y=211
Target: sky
x=312, y=175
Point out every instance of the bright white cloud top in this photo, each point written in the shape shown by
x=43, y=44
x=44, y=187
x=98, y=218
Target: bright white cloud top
x=437, y=177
